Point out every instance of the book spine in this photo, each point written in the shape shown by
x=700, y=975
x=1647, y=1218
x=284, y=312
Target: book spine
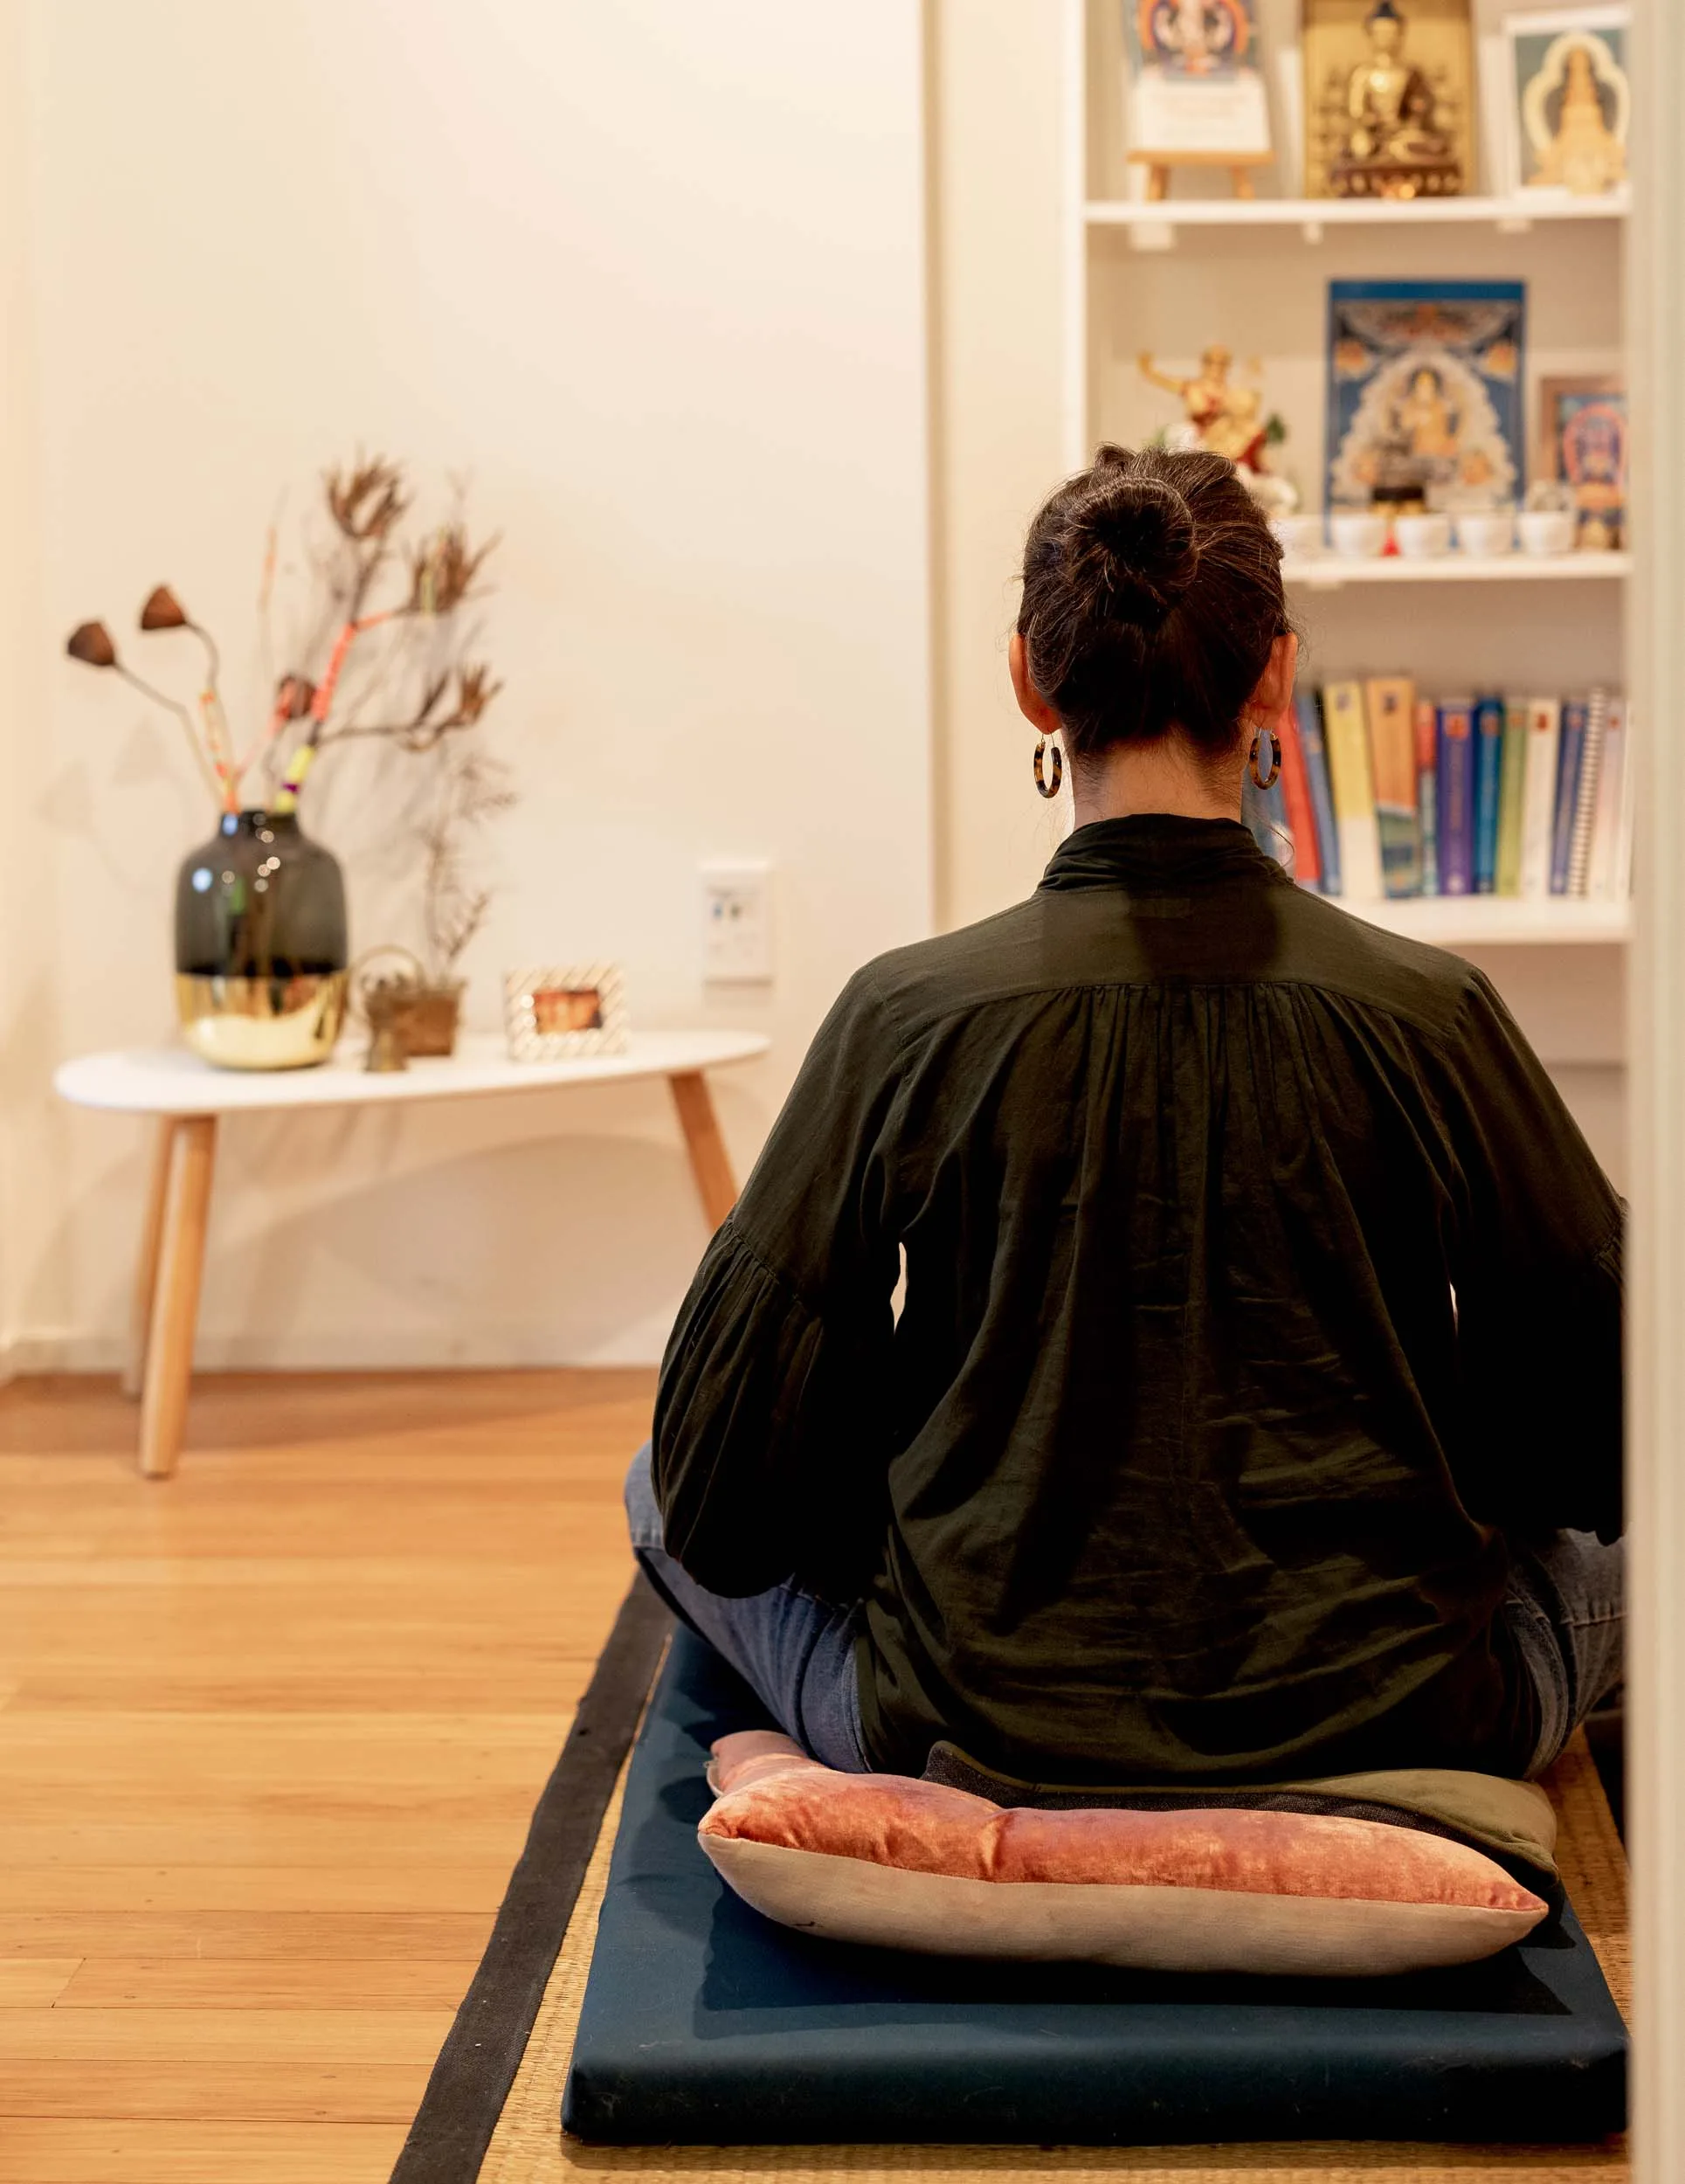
x=1427, y=775
x=1621, y=882
x=1390, y=703
x=1488, y=764
x=1612, y=805
x=1575, y=715
x=1512, y=790
x=1308, y=709
x=1295, y=794
x=1539, y=797
x=1586, y=797
x=1354, y=795
x=1456, y=796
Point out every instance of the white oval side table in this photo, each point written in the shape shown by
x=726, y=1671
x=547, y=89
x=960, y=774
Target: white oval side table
x=189, y=1098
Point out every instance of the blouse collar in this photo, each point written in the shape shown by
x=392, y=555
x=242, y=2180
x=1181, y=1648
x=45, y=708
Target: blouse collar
x=1155, y=852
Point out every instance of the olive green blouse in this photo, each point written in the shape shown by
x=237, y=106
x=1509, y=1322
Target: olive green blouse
x=1259, y=1289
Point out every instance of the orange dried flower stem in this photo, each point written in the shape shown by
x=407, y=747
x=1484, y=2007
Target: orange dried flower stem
x=287, y=796
x=222, y=754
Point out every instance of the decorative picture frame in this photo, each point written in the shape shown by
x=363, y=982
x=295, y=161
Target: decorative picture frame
x=1424, y=387
x=1566, y=101
x=1194, y=89
x=561, y=1011
x=1582, y=442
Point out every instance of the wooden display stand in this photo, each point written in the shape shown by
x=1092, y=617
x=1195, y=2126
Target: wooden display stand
x=1159, y=166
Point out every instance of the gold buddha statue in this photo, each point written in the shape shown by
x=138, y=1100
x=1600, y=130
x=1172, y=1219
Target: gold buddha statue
x=1390, y=140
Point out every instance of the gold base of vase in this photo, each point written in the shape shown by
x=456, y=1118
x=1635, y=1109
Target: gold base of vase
x=261, y=1023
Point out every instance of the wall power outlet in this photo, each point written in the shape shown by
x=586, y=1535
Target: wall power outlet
x=737, y=922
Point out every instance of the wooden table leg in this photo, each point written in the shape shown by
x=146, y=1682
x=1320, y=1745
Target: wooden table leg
x=176, y=1302
x=710, y=1162
x=146, y=1269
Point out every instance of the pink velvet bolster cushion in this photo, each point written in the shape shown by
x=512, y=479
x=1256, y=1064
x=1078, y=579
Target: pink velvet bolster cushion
x=887, y=1860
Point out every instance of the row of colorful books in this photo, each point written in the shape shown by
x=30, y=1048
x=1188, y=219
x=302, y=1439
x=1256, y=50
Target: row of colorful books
x=1383, y=791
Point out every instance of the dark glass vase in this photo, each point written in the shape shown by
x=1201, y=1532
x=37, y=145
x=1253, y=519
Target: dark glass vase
x=261, y=945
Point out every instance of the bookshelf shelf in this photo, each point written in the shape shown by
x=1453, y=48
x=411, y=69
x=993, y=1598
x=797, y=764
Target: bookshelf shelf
x=1312, y=216
x=1331, y=572
x=1499, y=920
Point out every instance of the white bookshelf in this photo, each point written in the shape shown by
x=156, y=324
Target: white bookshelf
x=1313, y=216
x=1328, y=572
x=1496, y=921
x=1173, y=276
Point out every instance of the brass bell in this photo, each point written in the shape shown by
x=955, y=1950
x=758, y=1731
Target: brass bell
x=386, y=1049
x=381, y=1003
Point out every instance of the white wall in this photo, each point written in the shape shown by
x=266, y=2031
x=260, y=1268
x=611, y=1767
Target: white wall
x=652, y=276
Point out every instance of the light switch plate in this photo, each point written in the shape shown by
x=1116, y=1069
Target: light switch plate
x=737, y=922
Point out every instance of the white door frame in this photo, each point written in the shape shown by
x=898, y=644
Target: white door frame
x=1656, y=1350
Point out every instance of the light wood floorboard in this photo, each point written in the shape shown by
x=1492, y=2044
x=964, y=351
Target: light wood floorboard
x=270, y=1732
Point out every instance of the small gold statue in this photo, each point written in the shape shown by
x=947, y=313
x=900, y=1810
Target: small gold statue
x=1228, y=418
x=1392, y=139
x=1207, y=398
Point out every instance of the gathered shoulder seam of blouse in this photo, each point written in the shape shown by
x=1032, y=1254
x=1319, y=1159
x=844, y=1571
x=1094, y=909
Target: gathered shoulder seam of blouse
x=1441, y=1036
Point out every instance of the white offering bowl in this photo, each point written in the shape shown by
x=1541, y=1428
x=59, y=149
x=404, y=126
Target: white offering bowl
x=1299, y=536
x=1545, y=531
x=1357, y=534
x=1422, y=537
x=1486, y=532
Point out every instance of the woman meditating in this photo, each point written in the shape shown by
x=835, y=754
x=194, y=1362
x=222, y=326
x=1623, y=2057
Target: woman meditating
x=1254, y=1410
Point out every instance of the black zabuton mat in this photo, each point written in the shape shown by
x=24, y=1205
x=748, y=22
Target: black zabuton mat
x=704, y=2023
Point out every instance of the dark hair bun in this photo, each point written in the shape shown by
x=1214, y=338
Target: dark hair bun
x=1134, y=545
x=1152, y=597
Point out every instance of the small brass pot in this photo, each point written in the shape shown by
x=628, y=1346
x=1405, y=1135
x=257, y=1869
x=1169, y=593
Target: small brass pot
x=426, y=1019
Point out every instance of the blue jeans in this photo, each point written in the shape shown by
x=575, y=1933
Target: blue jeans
x=795, y=1651
x=1566, y=1607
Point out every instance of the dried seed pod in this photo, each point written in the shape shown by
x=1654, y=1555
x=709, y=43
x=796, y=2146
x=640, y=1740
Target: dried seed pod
x=90, y=643
x=163, y=611
x=293, y=695
x=367, y=500
x=442, y=570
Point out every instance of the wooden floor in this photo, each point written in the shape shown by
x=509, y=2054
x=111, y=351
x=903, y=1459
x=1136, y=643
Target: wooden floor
x=270, y=1735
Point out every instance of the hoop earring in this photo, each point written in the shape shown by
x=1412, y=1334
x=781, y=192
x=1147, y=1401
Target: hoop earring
x=1059, y=769
x=1265, y=781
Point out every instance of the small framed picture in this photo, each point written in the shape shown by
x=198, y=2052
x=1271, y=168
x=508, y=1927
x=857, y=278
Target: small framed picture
x=1567, y=102
x=564, y=1010
x=1195, y=91
x=1582, y=445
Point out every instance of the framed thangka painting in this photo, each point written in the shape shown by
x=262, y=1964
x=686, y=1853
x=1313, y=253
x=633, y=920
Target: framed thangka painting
x=1196, y=89
x=1425, y=406
x=1568, y=102
x=1583, y=444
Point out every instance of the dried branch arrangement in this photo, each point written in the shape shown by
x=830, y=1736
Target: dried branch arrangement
x=384, y=657
x=437, y=574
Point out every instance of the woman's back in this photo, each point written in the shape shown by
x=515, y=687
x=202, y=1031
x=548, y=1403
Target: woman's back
x=1262, y=1299
x=1255, y=1275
